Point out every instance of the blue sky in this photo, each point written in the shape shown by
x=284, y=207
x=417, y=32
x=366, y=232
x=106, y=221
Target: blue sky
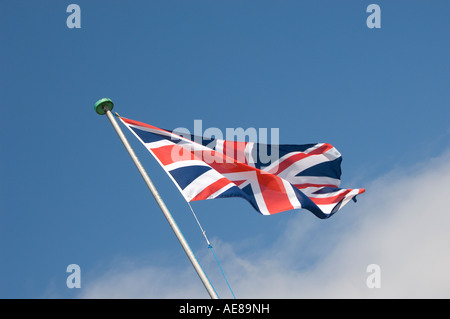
x=69, y=193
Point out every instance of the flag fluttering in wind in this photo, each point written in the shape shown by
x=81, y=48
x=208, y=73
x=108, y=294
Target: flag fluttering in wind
x=302, y=176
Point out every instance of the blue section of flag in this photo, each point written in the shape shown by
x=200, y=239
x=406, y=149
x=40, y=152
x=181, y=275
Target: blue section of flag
x=185, y=175
x=328, y=169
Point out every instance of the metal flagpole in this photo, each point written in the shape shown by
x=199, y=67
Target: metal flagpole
x=104, y=106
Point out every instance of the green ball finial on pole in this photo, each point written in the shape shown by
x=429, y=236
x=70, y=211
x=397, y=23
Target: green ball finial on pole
x=101, y=104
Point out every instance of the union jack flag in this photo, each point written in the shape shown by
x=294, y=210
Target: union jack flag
x=303, y=176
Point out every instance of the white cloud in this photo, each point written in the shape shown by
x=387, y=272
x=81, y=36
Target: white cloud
x=401, y=224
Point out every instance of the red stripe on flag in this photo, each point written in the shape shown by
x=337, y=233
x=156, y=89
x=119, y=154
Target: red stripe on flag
x=274, y=193
x=320, y=150
x=297, y=157
x=226, y=165
x=306, y=185
x=133, y=122
x=331, y=199
x=169, y=154
x=211, y=189
x=237, y=183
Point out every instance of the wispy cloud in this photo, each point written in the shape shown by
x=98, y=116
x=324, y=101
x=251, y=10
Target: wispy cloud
x=401, y=224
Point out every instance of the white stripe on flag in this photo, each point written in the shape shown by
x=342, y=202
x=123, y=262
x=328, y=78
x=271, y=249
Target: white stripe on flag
x=303, y=164
x=200, y=183
x=158, y=144
x=296, y=180
x=291, y=194
x=248, y=154
x=326, y=195
x=219, y=146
